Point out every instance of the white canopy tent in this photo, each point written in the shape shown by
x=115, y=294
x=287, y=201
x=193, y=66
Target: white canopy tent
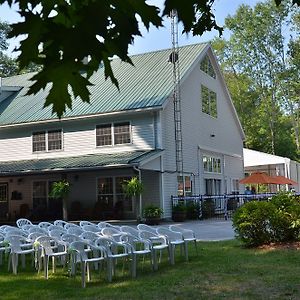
x=273, y=165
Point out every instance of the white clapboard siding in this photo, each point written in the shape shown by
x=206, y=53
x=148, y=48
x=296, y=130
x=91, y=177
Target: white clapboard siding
x=79, y=138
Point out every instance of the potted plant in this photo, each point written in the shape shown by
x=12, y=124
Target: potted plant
x=61, y=190
x=152, y=214
x=179, y=212
x=134, y=188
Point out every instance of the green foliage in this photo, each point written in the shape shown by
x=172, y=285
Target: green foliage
x=208, y=208
x=262, y=70
x=251, y=223
x=277, y=220
x=192, y=210
x=179, y=207
x=133, y=187
x=152, y=211
x=59, y=35
x=60, y=189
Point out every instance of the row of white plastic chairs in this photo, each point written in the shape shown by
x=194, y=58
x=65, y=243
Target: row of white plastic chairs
x=104, y=241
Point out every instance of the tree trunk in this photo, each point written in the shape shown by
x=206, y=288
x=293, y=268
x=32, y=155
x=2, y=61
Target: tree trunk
x=65, y=209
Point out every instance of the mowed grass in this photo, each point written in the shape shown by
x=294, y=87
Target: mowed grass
x=222, y=270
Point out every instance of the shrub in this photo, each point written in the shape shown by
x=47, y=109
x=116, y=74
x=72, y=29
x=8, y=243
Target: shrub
x=208, y=208
x=286, y=220
x=277, y=220
x=251, y=223
x=192, y=210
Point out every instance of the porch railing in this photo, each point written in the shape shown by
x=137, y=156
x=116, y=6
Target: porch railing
x=219, y=206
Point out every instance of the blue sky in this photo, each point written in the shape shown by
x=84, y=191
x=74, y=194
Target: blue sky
x=155, y=38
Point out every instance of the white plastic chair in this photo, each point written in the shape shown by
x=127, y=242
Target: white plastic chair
x=114, y=251
x=158, y=244
x=18, y=247
x=47, y=252
x=60, y=223
x=45, y=225
x=112, y=232
x=84, y=223
x=36, y=229
x=188, y=235
x=174, y=239
x=132, y=231
x=75, y=230
x=91, y=228
x=79, y=255
x=71, y=225
x=21, y=222
x=143, y=249
x=145, y=227
x=4, y=246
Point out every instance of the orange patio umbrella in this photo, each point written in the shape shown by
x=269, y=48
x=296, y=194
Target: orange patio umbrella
x=258, y=178
x=284, y=180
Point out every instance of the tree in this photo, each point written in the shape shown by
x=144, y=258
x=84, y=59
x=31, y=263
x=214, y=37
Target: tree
x=258, y=66
x=134, y=188
x=60, y=34
x=61, y=190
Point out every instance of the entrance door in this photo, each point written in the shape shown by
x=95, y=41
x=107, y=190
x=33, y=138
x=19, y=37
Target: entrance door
x=3, y=200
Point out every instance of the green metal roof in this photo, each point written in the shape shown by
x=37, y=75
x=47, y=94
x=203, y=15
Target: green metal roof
x=84, y=162
x=147, y=84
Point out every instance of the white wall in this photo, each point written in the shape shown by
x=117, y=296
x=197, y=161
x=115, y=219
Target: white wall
x=79, y=138
x=197, y=129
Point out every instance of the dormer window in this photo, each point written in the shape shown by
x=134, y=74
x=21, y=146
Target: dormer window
x=207, y=67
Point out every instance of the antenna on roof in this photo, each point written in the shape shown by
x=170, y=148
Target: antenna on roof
x=174, y=59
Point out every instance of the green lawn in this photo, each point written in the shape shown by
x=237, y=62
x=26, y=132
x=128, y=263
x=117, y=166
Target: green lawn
x=222, y=270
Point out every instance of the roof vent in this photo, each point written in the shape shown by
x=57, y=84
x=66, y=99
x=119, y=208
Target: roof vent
x=173, y=57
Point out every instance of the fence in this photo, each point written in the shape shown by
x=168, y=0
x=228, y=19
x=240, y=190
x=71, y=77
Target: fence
x=218, y=206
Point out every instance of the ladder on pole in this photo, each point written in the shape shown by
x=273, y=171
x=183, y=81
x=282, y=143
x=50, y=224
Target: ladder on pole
x=174, y=58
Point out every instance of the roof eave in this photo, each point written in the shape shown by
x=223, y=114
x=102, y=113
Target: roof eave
x=66, y=119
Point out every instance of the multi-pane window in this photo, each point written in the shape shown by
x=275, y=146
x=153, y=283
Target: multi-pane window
x=106, y=191
x=103, y=135
x=3, y=192
x=209, y=101
x=120, y=196
x=47, y=141
x=113, y=134
x=235, y=185
x=122, y=133
x=39, y=195
x=111, y=194
x=184, y=186
x=39, y=141
x=207, y=67
x=54, y=140
x=212, y=164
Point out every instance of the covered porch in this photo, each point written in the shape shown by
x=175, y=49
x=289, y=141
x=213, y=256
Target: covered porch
x=96, y=186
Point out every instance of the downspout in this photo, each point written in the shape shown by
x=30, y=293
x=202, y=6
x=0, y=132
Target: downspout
x=140, y=197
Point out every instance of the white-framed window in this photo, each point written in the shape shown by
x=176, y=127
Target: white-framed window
x=212, y=164
x=209, y=101
x=103, y=135
x=122, y=133
x=113, y=134
x=235, y=185
x=212, y=186
x=54, y=140
x=207, y=67
x=110, y=193
x=184, y=184
x=39, y=141
x=43, y=141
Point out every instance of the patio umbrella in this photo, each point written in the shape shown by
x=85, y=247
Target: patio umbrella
x=284, y=180
x=258, y=178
